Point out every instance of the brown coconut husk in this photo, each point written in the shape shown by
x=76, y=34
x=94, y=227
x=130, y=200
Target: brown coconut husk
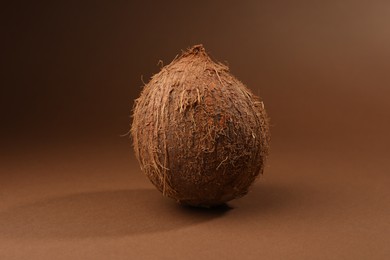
x=200, y=135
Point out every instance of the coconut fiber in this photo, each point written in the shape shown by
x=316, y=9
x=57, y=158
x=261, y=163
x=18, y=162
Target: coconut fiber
x=200, y=135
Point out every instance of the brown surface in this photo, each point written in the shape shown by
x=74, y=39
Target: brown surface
x=71, y=189
x=93, y=203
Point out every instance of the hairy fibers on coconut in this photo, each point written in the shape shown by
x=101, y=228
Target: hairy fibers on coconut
x=200, y=135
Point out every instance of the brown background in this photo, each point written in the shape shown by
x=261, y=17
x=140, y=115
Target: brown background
x=71, y=188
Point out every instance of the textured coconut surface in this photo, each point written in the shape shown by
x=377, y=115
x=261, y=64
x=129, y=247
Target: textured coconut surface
x=200, y=135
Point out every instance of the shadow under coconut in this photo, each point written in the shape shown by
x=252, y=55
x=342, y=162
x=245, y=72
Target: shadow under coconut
x=276, y=198
x=99, y=214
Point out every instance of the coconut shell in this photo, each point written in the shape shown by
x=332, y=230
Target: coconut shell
x=200, y=135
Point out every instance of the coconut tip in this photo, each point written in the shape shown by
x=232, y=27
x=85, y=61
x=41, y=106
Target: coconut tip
x=198, y=48
x=195, y=50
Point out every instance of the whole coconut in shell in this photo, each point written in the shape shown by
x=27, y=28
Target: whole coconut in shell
x=200, y=135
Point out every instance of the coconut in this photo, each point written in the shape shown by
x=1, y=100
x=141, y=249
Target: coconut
x=199, y=134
